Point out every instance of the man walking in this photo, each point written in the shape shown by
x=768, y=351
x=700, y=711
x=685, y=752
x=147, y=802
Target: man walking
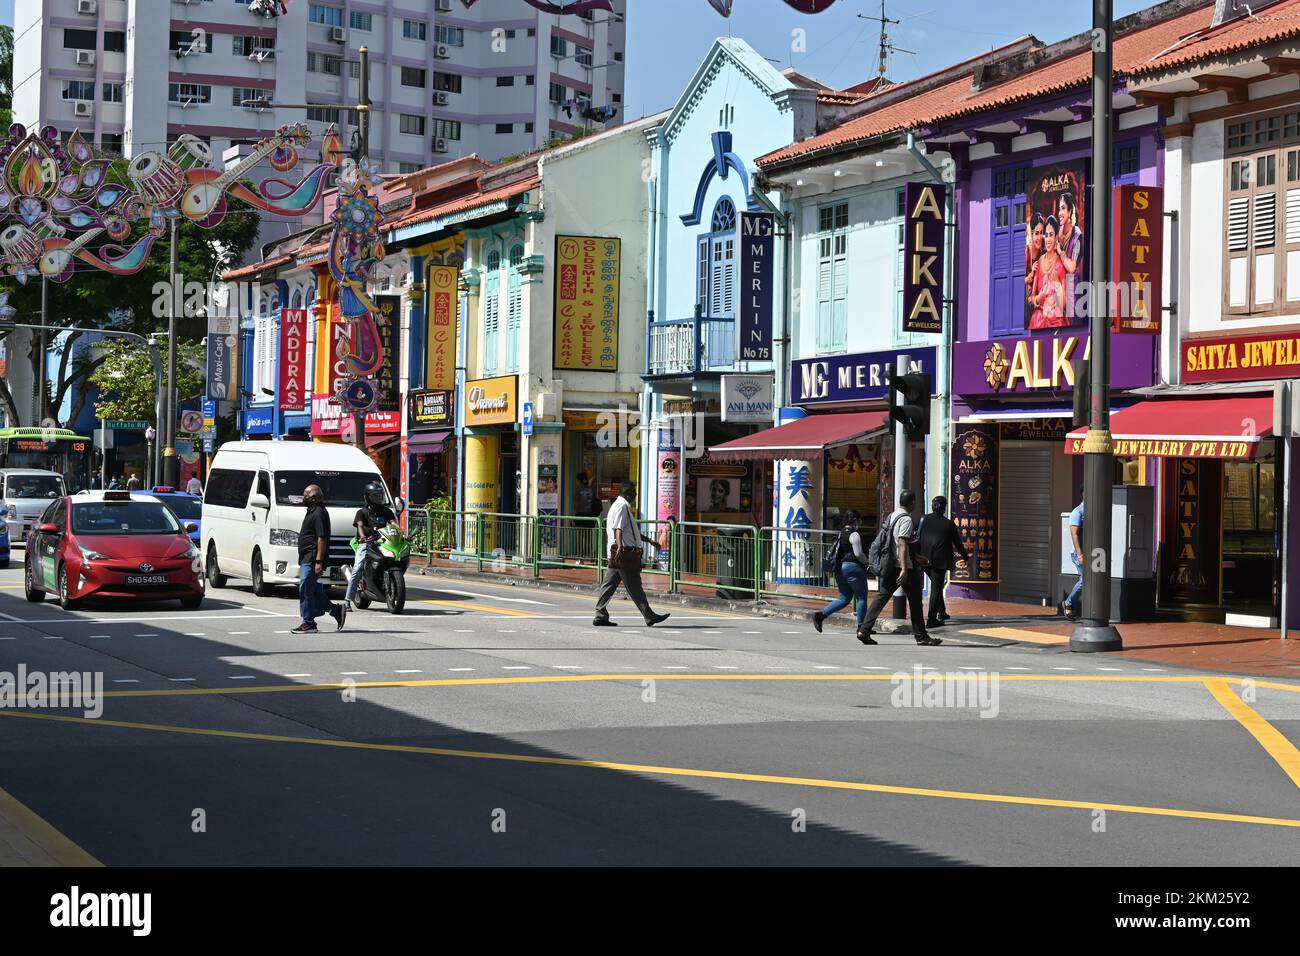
x=936, y=540
x=898, y=570
x=194, y=486
x=624, y=560
x=313, y=547
x=1071, y=607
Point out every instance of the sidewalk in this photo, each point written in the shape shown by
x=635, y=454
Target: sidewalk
x=1211, y=647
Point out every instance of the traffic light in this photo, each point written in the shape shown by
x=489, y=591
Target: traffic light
x=1082, y=393
x=909, y=403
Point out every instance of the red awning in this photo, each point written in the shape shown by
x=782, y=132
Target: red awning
x=804, y=438
x=1187, y=428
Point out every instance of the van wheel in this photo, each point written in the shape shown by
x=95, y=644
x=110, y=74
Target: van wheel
x=215, y=578
x=30, y=590
x=260, y=587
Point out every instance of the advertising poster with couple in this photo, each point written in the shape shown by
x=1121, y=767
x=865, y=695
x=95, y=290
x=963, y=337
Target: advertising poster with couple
x=1055, y=244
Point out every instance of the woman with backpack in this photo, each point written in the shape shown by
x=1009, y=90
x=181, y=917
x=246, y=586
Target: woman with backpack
x=847, y=560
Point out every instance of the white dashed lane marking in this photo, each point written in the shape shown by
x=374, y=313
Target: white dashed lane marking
x=243, y=677
x=182, y=680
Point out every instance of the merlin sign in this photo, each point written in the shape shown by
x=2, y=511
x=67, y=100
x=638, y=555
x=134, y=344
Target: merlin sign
x=757, y=252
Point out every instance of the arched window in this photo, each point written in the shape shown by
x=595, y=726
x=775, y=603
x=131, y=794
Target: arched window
x=516, y=255
x=295, y=301
x=724, y=215
x=715, y=280
x=494, y=261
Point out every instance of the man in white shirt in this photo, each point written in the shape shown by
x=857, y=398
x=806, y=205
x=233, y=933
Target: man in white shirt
x=624, y=537
x=194, y=486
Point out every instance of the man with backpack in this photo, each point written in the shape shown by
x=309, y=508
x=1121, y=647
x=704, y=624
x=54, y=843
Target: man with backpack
x=847, y=562
x=894, y=565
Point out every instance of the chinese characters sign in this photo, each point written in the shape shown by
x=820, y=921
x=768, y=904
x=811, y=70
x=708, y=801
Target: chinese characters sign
x=975, y=501
x=588, y=271
x=923, y=244
x=1139, y=244
x=440, y=370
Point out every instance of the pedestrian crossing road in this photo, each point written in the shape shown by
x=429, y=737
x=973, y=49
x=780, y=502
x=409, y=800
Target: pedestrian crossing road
x=492, y=724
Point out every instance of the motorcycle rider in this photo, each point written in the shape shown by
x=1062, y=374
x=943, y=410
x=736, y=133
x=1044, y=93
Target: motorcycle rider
x=373, y=516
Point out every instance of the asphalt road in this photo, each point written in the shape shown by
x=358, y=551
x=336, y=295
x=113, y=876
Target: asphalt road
x=495, y=725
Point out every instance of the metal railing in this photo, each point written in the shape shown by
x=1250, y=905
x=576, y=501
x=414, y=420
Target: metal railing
x=733, y=561
x=690, y=345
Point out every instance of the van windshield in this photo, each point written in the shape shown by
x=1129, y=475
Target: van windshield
x=341, y=488
x=33, y=486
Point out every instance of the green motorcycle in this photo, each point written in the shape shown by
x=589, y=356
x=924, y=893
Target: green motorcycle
x=383, y=575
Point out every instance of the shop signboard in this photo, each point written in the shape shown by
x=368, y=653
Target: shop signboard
x=491, y=401
x=222, y=354
x=1044, y=363
x=431, y=410
x=588, y=271
x=1057, y=244
x=258, y=421
x=389, y=322
x=1139, y=256
x=1193, y=561
x=749, y=398
x=443, y=315
x=1241, y=358
x=293, y=360
x=923, y=264
x=974, y=500
x=756, y=286
x=860, y=377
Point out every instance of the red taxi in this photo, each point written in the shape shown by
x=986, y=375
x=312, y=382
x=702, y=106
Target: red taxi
x=111, y=545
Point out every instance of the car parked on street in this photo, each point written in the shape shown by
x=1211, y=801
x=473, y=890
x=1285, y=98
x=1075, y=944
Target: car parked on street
x=111, y=544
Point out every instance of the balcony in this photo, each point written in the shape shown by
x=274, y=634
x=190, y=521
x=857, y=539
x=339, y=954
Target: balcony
x=688, y=346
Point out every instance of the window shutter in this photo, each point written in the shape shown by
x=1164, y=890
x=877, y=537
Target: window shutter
x=514, y=310
x=1292, y=216
x=1264, y=233
x=1001, y=271
x=825, y=334
x=1239, y=224
x=491, y=322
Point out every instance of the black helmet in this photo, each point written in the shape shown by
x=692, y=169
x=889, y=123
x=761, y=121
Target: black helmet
x=375, y=494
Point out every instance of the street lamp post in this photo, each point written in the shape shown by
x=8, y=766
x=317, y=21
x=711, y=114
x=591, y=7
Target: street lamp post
x=1094, y=632
x=167, y=418
x=150, y=434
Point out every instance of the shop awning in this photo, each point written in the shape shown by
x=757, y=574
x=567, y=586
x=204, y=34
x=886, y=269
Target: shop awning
x=426, y=441
x=1187, y=428
x=805, y=438
x=381, y=442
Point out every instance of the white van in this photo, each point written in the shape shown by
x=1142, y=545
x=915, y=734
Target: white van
x=253, y=509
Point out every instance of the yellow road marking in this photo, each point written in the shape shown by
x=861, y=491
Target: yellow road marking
x=654, y=770
x=1270, y=738
x=469, y=606
x=595, y=678
x=19, y=825
x=1020, y=634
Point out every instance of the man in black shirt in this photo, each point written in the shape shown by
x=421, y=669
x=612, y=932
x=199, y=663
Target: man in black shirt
x=373, y=515
x=937, y=539
x=313, y=546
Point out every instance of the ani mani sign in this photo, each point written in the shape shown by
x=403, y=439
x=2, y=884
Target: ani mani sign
x=923, y=243
x=1139, y=255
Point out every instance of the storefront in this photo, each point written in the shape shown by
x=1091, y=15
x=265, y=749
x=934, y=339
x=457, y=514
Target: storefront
x=429, y=455
x=600, y=452
x=1011, y=477
x=383, y=443
x=490, y=452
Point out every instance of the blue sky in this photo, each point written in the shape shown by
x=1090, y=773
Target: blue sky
x=667, y=39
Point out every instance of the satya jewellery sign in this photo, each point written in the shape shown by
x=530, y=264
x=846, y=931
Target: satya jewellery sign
x=588, y=271
x=1139, y=255
x=1241, y=358
x=923, y=244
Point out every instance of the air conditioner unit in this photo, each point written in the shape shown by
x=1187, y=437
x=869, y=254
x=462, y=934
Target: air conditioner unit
x=442, y=6
x=83, y=108
x=85, y=58
x=87, y=7
x=442, y=52
x=338, y=35
x=440, y=146
x=439, y=98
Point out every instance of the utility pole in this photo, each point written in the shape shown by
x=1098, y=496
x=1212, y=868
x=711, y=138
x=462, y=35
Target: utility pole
x=171, y=471
x=898, y=608
x=363, y=153
x=41, y=357
x=1094, y=632
x=886, y=47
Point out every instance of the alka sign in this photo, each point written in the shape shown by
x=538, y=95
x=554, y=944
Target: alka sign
x=923, y=243
x=757, y=251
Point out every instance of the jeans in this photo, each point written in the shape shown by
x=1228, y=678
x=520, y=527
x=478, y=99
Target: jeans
x=312, y=599
x=911, y=590
x=1073, y=599
x=851, y=579
x=354, y=583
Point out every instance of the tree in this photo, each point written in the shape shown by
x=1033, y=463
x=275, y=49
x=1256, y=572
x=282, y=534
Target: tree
x=96, y=299
x=6, y=78
x=127, y=386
